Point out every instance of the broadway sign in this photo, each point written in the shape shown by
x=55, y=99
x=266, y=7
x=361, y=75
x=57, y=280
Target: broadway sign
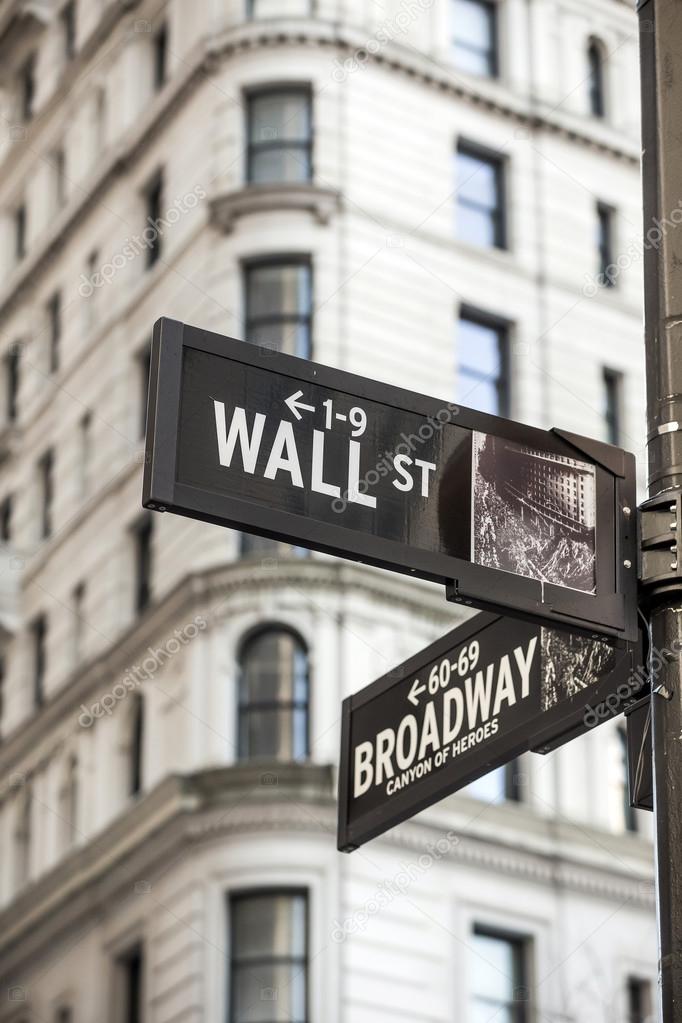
x=474, y=700
x=508, y=517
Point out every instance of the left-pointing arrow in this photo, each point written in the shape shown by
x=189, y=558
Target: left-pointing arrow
x=294, y=404
x=415, y=692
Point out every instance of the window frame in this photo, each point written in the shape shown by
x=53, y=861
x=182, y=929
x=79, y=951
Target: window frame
x=143, y=527
x=271, y=89
x=606, y=228
x=160, y=56
x=493, y=71
x=152, y=193
x=20, y=231
x=255, y=263
x=54, y=309
x=69, y=28
x=522, y=1010
x=503, y=328
x=39, y=633
x=613, y=380
x=500, y=215
x=245, y=709
x=596, y=78
x=245, y=894
x=46, y=464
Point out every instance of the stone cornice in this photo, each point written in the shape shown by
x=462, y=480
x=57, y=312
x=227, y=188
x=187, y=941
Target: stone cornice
x=491, y=95
x=185, y=813
x=226, y=208
x=277, y=33
x=226, y=587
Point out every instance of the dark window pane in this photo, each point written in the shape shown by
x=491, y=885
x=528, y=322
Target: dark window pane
x=498, y=980
x=596, y=79
x=154, y=196
x=160, y=57
x=20, y=232
x=475, y=32
x=136, y=746
x=480, y=209
x=143, y=563
x=131, y=967
x=482, y=365
x=279, y=136
x=607, y=270
x=273, y=697
x=12, y=382
x=269, y=958
x=68, y=20
x=640, y=1001
x=613, y=384
x=39, y=638
x=279, y=306
x=54, y=318
x=45, y=470
x=27, y=88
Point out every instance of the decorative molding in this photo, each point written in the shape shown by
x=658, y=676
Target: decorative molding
x=192, y=811
x=227, y=208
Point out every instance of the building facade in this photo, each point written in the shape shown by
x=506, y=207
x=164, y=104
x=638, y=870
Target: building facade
x=441, y=194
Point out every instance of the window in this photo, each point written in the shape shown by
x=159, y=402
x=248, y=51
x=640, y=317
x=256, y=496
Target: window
x=6, y=519
x=45, y=472
x=54, y=329
x=279, y=136
x=144, y=368
x=84, y=453
x=27, y=88
x=498, y=978
x=483, y=363
x=59, y=167
x=629, y=815
x=68, y=23
x=78, y=608
x=12, y=383
x=595, y=73
x=480, y=198
x=39, y=644
x=269, y=957
x=68, y=804
x=504, y=784
x=160, y=48
x=639, y=1001
x=153, y=200
x=135, y=748
x=130, y=969
x=274, y=689
x=143, y=533
x=475, y=36
x=20, y=232
x=278, y=304
x=613, y=393
x=64, y=1015
x=22, y=838
x=607, y=270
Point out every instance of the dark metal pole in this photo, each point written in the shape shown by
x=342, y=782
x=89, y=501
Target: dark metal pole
x=661, y=66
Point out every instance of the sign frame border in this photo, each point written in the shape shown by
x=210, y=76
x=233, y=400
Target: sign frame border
x=608, y=612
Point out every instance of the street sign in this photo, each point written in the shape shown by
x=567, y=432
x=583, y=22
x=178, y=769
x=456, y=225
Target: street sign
x=509, y=517
x=479, y=697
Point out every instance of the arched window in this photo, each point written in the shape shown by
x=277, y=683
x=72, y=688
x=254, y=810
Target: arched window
x=595, y=67
x=274, y=687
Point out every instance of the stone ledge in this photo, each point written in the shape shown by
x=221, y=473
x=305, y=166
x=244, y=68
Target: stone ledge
x=226, y=209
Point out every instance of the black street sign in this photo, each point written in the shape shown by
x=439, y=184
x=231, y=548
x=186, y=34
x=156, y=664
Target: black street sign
x=483, y=694
x=537, y=523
